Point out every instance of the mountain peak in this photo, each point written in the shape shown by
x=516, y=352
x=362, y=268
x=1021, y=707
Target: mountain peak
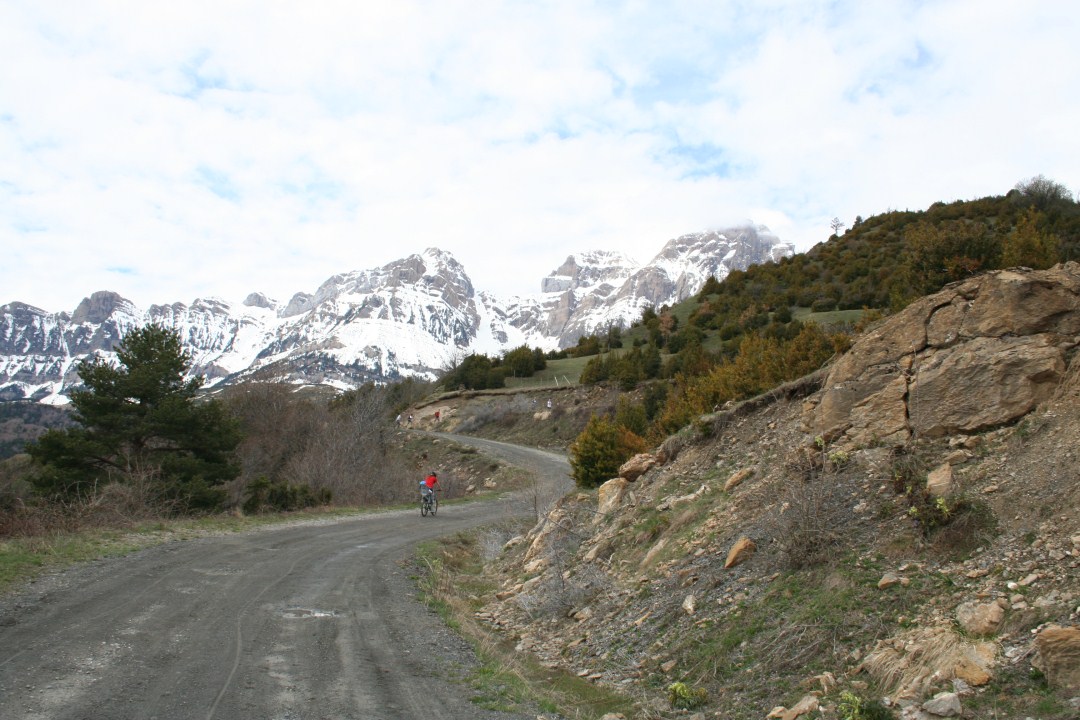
x=100, y=306
x=257, y=299
x=588, y=270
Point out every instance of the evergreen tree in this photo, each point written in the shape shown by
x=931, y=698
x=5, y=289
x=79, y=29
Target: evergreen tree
x=599, y=451
x=520, y=362
x=477, y=372
x=141, y=421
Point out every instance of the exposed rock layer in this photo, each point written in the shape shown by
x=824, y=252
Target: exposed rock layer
x=976, y=355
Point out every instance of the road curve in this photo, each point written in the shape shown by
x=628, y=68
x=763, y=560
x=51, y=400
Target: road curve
x=312, y=620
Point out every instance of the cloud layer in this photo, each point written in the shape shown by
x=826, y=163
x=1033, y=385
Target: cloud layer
x=169, y=151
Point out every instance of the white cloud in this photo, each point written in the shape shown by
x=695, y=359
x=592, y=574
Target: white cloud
x=183, y=150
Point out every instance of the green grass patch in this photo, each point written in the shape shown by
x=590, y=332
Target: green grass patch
x=558, y=373
x=830, y=318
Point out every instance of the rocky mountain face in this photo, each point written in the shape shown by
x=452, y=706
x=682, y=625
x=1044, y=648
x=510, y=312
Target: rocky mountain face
x=412, y=317
x=900, y=528
x=593, y=291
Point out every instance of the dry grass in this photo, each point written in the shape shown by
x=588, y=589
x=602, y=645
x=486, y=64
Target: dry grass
x=904, y=663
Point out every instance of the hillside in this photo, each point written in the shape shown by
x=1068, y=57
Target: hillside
x=900, y=531
x=894, y=257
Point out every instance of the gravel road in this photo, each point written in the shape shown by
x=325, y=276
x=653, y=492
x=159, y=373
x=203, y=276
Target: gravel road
x=311, y=620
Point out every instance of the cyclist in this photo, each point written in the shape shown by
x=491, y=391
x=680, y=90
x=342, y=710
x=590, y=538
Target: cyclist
x=428, y=484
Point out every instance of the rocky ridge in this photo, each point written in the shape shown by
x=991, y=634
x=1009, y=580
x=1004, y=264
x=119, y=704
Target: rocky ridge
x=783, y=556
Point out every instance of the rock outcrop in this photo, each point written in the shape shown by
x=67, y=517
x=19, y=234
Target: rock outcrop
x=978, y=354
x=1059, y=656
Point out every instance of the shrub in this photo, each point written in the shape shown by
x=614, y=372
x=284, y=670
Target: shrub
x=280, y=496
x=1028, y=245
x=852, y=707
x=955, y=522
x=597, y=453
x=809, y=532
x=685, y=697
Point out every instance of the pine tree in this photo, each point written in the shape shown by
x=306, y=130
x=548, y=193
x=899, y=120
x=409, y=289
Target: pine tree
x=141, y=421
x=599, y=451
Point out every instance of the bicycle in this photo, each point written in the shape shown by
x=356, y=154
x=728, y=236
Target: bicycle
x=429, y=504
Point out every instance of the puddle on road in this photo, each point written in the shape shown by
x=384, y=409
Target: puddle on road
x=305, y=613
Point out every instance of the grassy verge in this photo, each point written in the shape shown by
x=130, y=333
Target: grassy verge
x=453, y=582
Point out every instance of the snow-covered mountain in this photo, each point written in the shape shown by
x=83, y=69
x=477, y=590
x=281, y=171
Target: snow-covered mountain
x=592, y=291
x=412, y=317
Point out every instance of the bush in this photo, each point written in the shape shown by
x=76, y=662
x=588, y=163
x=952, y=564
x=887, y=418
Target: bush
x=597, y=453
x=1028, y=245
x=852, y=707
x=953, y=523
x=684, y=697
x=476, y=372
x=280, y=496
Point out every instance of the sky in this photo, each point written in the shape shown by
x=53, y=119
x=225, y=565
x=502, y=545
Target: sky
x=171, y=151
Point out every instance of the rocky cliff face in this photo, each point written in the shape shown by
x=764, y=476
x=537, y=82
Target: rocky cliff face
x=411, y=317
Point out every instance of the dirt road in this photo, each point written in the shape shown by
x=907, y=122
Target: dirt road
x=315, y=620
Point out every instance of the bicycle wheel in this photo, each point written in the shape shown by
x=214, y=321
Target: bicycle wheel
x=434, y=505
x=423, y=508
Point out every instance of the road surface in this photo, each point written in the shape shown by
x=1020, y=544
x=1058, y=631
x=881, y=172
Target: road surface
x=306, y=621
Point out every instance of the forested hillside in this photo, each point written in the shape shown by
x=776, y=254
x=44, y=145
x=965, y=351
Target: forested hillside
x=890, y=259
x=742, y=336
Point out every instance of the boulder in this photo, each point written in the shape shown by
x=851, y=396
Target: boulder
x=654, y=551
x=974, y=663
x=637, y=466
x=542, y=535
x=940, y=483
x=601, y=550
x=609, y=496
x=888, y=580
x=1058, y=656
x=980, y=618
x=805, y=706
x=945, y=704
x=983, y=383
x=670, y=502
